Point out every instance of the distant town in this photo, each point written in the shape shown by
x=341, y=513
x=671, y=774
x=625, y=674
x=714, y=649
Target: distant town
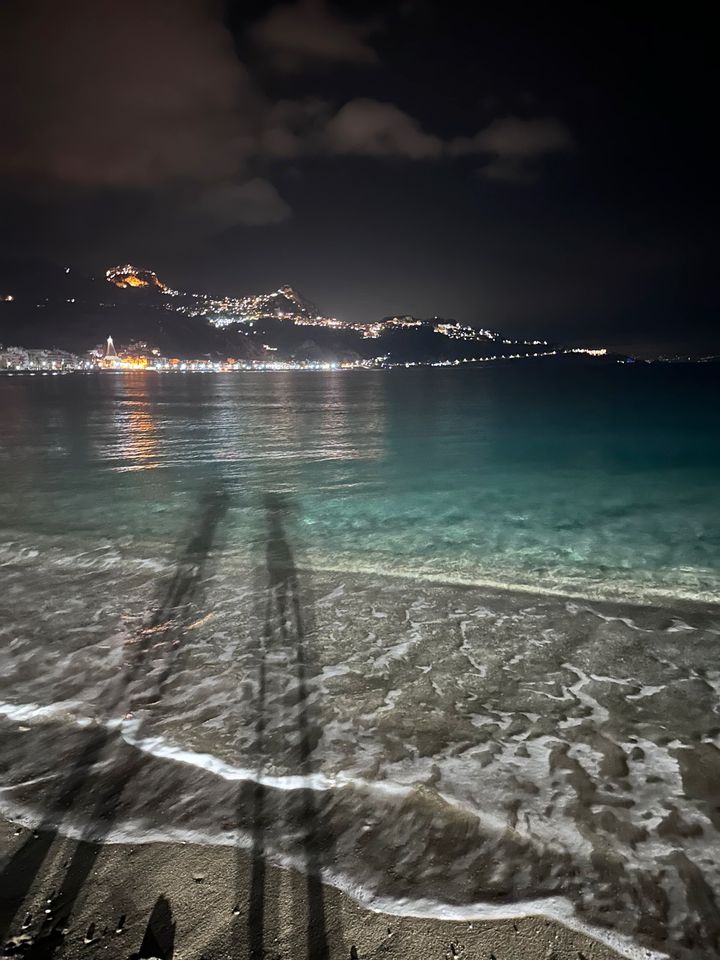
x=253, y=333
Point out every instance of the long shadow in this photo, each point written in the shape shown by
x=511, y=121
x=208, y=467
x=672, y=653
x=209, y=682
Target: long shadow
x=159, y=939
x=287, y=623
x=162, y=633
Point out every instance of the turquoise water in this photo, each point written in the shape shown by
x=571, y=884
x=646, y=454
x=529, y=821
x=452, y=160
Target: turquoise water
x=592, y=481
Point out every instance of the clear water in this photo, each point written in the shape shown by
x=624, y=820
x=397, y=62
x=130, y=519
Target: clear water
x=594, y=481
x=474, y=614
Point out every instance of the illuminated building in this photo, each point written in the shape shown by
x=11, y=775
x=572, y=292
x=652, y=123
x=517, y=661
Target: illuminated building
x=111, y=360
x=458, y=331
x=126, y=275
x=41, y=360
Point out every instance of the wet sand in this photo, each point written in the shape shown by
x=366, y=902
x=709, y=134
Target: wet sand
x=199, y=899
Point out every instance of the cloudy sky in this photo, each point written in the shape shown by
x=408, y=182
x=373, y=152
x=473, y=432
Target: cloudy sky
x=541, y=170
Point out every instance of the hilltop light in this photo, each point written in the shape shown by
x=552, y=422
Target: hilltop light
x=126, y=275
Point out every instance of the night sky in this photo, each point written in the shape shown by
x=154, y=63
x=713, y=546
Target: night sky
x=541, y=169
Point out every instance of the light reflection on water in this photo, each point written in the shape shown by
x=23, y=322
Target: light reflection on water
x=588, y=482
x=135, y=434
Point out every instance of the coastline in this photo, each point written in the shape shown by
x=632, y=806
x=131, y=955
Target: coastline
x=653, y=599
x=205, y=912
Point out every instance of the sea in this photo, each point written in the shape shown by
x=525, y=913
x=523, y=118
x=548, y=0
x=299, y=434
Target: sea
x=447, y=639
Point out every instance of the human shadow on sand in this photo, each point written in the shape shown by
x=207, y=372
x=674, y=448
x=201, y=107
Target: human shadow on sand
x=86, y=783
x=159, y=939
x=287, y=731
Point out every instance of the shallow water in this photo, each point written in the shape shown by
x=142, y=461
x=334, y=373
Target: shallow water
x=301, y=581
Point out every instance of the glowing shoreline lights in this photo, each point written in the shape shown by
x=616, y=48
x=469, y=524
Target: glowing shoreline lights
x=112, y=361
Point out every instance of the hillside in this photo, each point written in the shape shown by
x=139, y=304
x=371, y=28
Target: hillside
x=54, y=307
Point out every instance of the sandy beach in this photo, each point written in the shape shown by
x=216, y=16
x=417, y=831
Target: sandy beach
x=200, y=897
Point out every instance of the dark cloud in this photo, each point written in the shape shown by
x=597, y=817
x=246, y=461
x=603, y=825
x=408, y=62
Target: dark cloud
x=295, y=127
x=254, y=202
x=513, y=138
x=513, y=145
x=366, y=127
x=122, y=94
x=361, y=127
x=296, y=34
x=152, y=93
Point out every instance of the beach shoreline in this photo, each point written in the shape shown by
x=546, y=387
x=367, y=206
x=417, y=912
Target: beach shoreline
x=206, y=901
x=406, y=840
